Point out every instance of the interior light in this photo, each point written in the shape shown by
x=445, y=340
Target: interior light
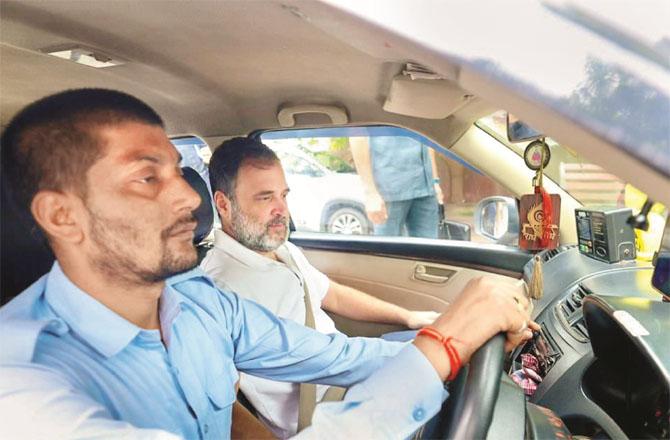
x=87, y=57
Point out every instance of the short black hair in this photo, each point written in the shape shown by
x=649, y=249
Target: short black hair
x=52, y=143
x=229, y=157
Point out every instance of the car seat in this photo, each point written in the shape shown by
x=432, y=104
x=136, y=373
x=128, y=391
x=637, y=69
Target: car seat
x=204, y=213
x=24, y=252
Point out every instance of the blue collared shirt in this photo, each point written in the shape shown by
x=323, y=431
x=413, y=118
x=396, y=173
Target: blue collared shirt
x=401, y=167
x=110, y=370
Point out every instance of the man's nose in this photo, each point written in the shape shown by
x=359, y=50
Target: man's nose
x=186, y=198
x=280, y=207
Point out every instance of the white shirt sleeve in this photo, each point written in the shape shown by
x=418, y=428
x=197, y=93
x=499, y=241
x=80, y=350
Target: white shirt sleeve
x=393, y=403
x=38, y=403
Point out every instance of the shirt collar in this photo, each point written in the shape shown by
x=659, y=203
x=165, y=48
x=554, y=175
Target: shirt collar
x=234, y=249
x=102, y=328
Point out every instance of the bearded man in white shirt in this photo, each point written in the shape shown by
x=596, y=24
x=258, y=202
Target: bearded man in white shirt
x=252, y=257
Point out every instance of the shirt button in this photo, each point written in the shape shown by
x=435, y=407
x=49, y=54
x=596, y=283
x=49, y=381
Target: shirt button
x=175, y=370
x=419, y=414
x=205, y=428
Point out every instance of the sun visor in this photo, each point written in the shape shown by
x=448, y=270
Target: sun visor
x=425, y=98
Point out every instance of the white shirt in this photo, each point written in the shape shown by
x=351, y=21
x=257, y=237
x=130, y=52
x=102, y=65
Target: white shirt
x=277, y=287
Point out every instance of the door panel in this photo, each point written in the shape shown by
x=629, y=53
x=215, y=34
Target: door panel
x=503, y=260
x=395, y=271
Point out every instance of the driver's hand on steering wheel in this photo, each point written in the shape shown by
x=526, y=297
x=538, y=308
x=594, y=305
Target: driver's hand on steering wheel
x=484, y=308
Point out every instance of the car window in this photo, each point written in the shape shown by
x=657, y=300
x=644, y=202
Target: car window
x=294, y=164
x=379, y=180
x=195, y=153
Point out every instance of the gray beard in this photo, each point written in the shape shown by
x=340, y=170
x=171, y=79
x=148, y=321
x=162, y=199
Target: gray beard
x=254, y=235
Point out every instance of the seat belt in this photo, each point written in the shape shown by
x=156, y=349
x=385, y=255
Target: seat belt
x=307, y=402
x=307, y=390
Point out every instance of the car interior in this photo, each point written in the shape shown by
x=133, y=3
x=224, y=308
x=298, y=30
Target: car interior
x=218, y=70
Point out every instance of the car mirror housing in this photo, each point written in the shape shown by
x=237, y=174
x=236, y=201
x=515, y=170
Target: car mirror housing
x=519, y=131
x=497, y=218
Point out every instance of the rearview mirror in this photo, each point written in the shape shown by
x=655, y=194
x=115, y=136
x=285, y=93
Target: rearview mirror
x=497, y=218
x=519, y=131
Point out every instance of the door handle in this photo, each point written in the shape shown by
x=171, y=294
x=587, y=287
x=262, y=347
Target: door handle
x=432, y=274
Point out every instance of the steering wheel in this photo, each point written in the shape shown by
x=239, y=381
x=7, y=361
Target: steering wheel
x=468, y=411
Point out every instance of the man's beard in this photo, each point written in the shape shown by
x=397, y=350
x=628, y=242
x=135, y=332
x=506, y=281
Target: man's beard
x=118, y=242
x=255, y=235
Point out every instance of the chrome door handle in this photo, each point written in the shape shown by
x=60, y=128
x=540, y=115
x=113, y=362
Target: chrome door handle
x=432, y=274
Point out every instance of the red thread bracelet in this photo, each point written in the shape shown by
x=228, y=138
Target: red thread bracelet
x=452, y=354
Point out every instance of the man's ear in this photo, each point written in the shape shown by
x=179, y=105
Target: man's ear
x=57, y=215
x=222, y=203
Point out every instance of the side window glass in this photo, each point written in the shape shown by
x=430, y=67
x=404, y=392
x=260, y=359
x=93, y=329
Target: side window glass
x=195, y=153
x=294, y=164
x=379, y=180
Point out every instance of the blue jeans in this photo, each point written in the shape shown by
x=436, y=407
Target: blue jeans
x=414, y=217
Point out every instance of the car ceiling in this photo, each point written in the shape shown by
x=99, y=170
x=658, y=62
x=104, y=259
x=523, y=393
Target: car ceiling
x=212, y=68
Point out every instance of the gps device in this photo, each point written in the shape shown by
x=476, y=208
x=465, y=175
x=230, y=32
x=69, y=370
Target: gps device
x=605, y=234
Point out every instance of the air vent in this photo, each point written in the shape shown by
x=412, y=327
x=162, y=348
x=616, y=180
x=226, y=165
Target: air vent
x=569, y=311
x=545, y=257
x=551, y=253
x=580, y=328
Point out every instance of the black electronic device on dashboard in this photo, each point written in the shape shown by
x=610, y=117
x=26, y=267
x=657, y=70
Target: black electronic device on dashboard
x=605, y=234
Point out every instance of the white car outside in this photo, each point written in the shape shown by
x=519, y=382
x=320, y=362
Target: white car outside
x=321, y=199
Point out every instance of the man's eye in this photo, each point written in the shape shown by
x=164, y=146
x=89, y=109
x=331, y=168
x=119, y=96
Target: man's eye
x=148, y=179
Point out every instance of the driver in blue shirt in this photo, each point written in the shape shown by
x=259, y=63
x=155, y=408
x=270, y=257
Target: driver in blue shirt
x=123, y=337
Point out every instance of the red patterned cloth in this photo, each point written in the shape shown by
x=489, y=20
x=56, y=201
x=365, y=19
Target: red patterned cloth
x=527, y=377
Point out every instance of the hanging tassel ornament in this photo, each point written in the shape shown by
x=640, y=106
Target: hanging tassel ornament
x=539, y=212
x=536, y=287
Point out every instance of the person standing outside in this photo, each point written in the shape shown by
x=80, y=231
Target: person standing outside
x=402, y=190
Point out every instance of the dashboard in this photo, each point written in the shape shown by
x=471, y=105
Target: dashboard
x=597, y=373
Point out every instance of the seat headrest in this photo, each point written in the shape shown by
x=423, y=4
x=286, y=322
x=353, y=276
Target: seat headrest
x=25, y=253
x=204, y=214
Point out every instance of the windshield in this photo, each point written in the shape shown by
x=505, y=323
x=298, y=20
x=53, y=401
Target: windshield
x=577, y=60
x=590, y=184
